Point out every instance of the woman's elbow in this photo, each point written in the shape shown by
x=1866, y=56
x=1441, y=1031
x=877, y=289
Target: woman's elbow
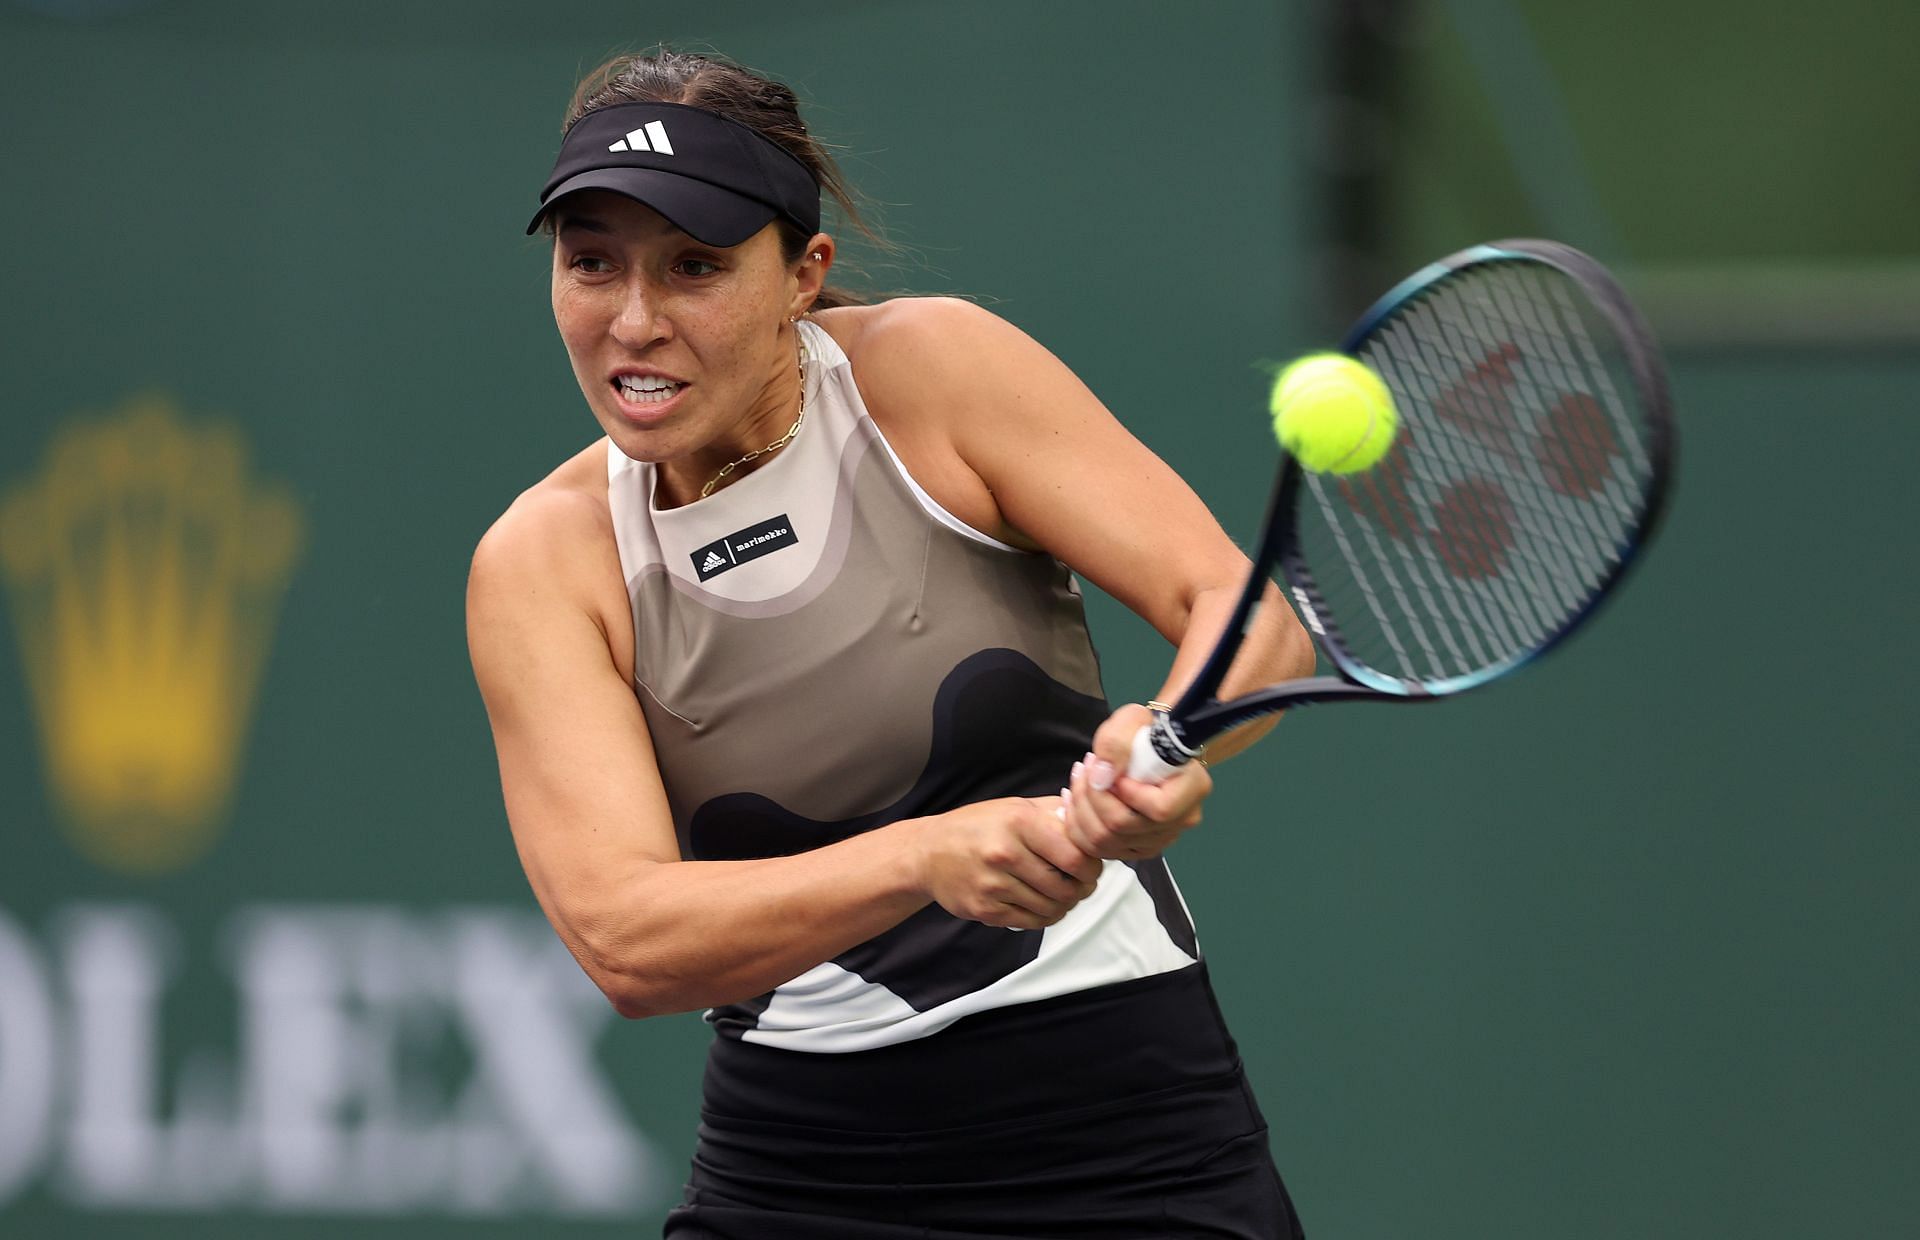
x=629, y=1003
x=1293, y=653
x=635, y=995
x=1302, y=655
x=624, y=973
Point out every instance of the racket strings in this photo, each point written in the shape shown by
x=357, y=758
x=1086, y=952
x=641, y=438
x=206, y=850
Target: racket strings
x=1515, y=487
x=1498, y=610
x=1497, y=613
x=1474, y=528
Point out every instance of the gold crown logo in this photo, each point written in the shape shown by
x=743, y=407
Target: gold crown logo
x=145, y=571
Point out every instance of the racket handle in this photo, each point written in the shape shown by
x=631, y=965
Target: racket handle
x=1157, y=752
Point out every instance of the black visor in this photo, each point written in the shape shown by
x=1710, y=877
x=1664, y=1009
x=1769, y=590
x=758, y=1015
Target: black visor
x=717, y=181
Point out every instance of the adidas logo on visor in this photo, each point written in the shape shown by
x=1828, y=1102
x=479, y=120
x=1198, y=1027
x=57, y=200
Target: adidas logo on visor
x=651, y=136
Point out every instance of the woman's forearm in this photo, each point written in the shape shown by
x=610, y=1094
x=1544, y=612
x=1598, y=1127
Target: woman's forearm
x=677, y=936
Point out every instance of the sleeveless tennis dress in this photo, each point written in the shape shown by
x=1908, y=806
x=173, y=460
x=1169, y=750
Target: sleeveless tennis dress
x=821, y=649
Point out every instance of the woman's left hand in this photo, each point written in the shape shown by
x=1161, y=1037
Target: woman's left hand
x=1108, y=815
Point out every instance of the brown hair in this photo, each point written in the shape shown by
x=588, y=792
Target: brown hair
x=741, y=95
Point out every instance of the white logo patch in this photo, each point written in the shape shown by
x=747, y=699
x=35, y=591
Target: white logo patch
x=651, y=136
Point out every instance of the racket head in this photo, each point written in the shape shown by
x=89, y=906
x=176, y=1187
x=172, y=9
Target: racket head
x=1530, y=470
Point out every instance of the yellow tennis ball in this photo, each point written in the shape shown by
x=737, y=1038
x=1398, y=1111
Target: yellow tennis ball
x=1333, y=414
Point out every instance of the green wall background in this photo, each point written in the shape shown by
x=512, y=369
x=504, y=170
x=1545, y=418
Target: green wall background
x=1623, y=947
x=1662, y=133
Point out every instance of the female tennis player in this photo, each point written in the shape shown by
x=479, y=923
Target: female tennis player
x=786, y=674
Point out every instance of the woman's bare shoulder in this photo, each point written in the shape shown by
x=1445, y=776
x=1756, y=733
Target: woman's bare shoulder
x=555, y=513
x=922, y=362
x=897, y=330
x=554, y=544
x=928, y=368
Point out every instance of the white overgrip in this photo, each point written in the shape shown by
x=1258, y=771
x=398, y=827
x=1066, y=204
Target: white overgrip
x=1145, y=763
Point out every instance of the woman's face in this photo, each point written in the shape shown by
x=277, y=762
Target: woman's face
x=683, y=350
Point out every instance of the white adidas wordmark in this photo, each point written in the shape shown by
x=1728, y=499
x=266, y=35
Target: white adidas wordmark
x=651, y=136
x=713, y=560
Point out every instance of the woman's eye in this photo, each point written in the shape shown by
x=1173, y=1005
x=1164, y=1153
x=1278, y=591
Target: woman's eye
x=696, y=267
x=590, y=265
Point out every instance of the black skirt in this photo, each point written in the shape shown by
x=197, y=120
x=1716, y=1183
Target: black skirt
x=1120, y=1112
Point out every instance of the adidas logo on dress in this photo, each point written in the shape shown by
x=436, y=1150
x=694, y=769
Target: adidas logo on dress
x=651, y=136
x=713, y=559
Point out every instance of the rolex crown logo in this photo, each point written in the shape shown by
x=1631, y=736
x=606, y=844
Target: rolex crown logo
x=145, y=569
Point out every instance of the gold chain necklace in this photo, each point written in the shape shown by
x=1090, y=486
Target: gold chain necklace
x=800, y=364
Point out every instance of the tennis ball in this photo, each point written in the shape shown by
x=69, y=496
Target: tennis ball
x=1333, y=414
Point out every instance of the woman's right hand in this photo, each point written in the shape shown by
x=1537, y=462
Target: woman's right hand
x=1005, y=863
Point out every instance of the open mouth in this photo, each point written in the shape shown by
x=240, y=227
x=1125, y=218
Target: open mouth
x=647, y=389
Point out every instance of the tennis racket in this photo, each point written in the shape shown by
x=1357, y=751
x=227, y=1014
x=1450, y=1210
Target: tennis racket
x=1531, y=466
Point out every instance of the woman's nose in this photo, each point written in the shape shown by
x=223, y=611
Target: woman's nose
x=641, y=319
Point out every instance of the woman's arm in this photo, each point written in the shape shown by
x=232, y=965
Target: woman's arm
x=1011, y=441
x=595, y=836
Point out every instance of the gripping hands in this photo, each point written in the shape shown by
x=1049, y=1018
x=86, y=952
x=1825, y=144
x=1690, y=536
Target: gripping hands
x=1025, y=862
x=1111, y=808
x=1006, y=863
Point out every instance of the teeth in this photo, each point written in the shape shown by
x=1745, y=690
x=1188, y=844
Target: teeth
x=647, y=389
